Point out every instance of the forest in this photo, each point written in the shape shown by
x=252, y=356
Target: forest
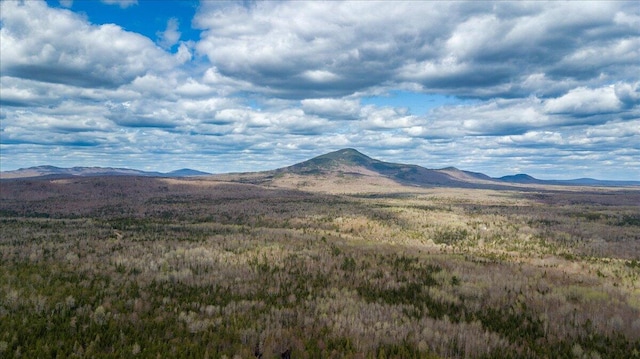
x=122, y=267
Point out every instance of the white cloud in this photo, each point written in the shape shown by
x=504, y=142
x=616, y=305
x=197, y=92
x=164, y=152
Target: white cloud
x=331, y=108
x=628, y=94
x=320, y=76
x=490, y=118
x=535, y=138
x=434, y=71
x=585, y=101
x=224, y=84
x=310, y=43
x=485, y=49
x=474, y=36
x=184, y=53
x=122, y=3
x=153, y=84
x=58, y=46
x=192, y=88
x=373, y=117
x=170, y=35
x=555, y=86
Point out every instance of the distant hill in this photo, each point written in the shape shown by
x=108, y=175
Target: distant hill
x=57, y=172
x=186, y=172
x=351, y=161
x=520, y=178
x=344, y=162
x=526, y=179
x=344, y=159
x=594, y=182
x=465, y=175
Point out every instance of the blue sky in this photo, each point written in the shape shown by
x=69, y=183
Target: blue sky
x=146, y=17
x=551, y=89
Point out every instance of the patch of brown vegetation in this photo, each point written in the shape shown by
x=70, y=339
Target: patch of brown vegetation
x=343, y=266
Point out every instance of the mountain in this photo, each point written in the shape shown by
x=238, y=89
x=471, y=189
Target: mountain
x=466, y=175
x=340, y=165
x=345, y=159
x=526, y=179
x=349, y=161
x=596, y=182
x=57, y=172
x=186, y=172
x=520, y=178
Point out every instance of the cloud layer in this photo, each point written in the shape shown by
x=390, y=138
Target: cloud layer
x=484, y=49
x=551, y=89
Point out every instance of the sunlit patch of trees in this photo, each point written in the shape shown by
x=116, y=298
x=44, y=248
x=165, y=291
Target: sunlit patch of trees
x=181, y=269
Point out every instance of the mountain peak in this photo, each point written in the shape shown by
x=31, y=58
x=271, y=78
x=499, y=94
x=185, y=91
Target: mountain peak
x=346, y=157
x=519, y=178
x=347, y=151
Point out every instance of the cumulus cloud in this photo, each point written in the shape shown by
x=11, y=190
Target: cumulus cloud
x=56, y=45
x=585, y=101
x=122, y=3
x=628, y=94
x=331, y=108
x=141, y=114
x=374, y=117
x=492, y=118
x=170, y=35
x=479, y=50
x=502, y=117
x=327, y=44
x=554, y=86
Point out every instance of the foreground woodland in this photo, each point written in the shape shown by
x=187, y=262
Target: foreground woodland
x=146, y=267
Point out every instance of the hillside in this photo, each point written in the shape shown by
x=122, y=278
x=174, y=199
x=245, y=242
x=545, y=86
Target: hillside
x=335, y=167
x=57, y=172
x=350, y=162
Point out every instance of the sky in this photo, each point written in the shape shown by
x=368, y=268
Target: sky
x=551, y=89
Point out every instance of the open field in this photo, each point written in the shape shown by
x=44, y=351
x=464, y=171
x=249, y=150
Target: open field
x=146, y=267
